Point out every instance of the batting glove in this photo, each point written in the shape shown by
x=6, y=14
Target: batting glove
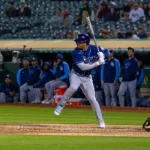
x=100, y=55
x=101, y=61
x=101, y=58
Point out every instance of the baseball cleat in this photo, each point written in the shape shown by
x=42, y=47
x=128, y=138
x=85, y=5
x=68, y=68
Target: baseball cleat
x=49, y=101
x=58, y=110
x=36, y=102
x=102, y=125
x=44, y=101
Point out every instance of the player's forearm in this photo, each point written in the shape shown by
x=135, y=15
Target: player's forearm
x=84, y=66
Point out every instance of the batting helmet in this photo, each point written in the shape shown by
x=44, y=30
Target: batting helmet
x=82, y=37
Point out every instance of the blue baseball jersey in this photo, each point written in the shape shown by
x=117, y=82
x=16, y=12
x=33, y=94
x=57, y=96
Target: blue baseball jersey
x=47, y=75
x=110, y=71
x=129, y=70
x=34, y=75
x=62, y=71
x=88, y=56
x=22, y=76
x=6, y=88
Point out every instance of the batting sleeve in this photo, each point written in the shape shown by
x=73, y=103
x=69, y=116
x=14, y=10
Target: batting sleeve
x=85, y=67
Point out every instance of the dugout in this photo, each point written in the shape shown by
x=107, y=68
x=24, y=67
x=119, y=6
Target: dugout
x=46, y=50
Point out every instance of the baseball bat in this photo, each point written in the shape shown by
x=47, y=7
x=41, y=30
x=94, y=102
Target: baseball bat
x=92, y=31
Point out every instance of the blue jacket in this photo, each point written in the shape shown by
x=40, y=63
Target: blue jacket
x=22, y=76
x=45, y=77
x=62, y=71
x=34, y=75
x=129, y=70
x=6, y=88
x=110, y=72
x=96, y=79
x=140, y=77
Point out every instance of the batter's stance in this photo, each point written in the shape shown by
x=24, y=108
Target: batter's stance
x=85, y=58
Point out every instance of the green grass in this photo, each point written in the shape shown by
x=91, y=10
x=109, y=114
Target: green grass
x=19, y=142
x=15, y=114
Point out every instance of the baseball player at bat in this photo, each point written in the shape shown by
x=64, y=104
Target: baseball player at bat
x=85, y=58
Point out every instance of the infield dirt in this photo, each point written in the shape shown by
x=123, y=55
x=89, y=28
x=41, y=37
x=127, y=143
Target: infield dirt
x=73, y=129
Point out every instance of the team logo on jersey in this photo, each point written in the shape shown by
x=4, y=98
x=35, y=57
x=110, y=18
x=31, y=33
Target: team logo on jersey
x=84, y=59
x=90, y=60
x=112, y=64
x=127, y=65
x=61, y=68
x=31, y=72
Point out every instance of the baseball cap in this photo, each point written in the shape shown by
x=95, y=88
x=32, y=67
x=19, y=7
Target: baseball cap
x=34, y=59
x=8, y=76
x=59, y=56
x=26, y=58
x=47, y=63
x=111, y=51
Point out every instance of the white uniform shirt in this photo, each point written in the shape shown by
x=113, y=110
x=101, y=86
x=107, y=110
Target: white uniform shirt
x=135, y=15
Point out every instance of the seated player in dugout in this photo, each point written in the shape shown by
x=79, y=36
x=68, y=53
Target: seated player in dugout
x=34, y=76
x=61, y=72
x=8, y=90
x=85, y=58
x=46, y=76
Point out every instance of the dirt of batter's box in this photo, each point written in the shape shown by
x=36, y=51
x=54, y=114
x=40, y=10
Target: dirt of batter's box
x=73, y=129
